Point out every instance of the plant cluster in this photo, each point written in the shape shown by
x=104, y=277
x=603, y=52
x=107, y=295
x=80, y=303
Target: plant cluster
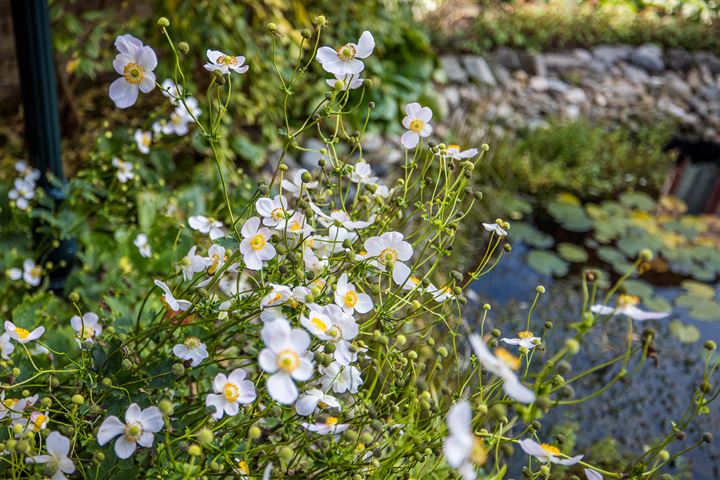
x=307, y=327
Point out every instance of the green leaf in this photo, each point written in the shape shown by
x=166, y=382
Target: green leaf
x=572, y=253
x=683, y=332
x=570, y=216
x=529, y=235
x=698, y=289
x=547, y=263
x=638, y=200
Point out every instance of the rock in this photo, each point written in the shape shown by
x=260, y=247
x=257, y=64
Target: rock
x=538, y=84
x=309, y=160
x=610, y=54
x=452, y=95
x=564, y=61
x=711, y=93
x=679, y=59
x=533, y=63
x=502, y=75
x=649, y=57
x=557, y=86
x=453, y=70
x=634, y=74
x=584, y=56
x=675, y=85
x=576, y=96
x=371, y=142
x=478, y=70
x=506, y=57
x=710, y=60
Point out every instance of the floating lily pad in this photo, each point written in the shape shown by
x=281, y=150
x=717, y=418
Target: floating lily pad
x=547, y=263
x=631, y=246
x=658, y=304
x=572, y=253
x=639, y=288
x=683, y=332
x=639, y=200
x=529, y=235
x=610, y=255
x=700, y=308
x=702, y=274
x=570, y=216
x=698, y=289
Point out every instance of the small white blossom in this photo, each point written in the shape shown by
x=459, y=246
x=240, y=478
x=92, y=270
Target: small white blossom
x=58, y=449
x=193, y=263
x=416, y=121
x=297, y=184
x=344, y=60
x=191, y=349
x=224, y=63
x=230, y=392
x=463, y=450
x=362, y=173
x=139, y=428
x=390, y=251
x=330, y=425
x=23, y=192
x=141, y=242
x=628, y=306
x=124, y=170
x=273, y=211
x=341, y=378
x=285, y=358
x=255, y=247
x=496, y=229
x=524, y=339
x=22, y=335
x=143, y=140
x=169, y=300
x=503, y=366
x=6, y=347
x=87, y=327
x=135, y=63
x=32, y=273
x=349, y=299
x=546, y=453
x=208, y=226
x=313, y=399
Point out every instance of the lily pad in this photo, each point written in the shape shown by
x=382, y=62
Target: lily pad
x=529, y=235
x=639, y=200
x=572, y=253
x=639, y=288
x=610, y=255
x=698, y=289
x=700, y=308
x=547, y=263
x=683, y=332
x=570, y=216
x=631, y=246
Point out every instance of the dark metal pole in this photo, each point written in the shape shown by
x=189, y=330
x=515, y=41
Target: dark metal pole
x=33, y=44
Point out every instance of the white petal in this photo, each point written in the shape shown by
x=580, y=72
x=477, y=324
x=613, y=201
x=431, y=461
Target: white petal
x=592, y=474
x=124, y=94
x=124, y=448
x=365, y=45
x=151, y=419
x=110, y=428
x=282, y=388
x=410, y=139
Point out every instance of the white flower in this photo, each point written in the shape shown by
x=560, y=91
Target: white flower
x=6, y=346
x=225, y=63
x=216, y=258
x=309, y=402
x=178, y=124
x=189, y=110
x=627, y=305
x=362, y=173
x=58, y=449
x=463, y=450
x=192, y=264
x=124, y=170
x=349, y=299
x=344, y=219
x=141, y=242
x=230, y=392
x=171, y=90
x=207, y=226
x=297, y=183
x=13, y=274
x=496, y=229
x=546, y=453
x=390, y=250
x=143, y=140
x=88, y=327
x=350, y=81
x=416, y=122
x=278, y=295
x=139, y=429
x=525, y=339
x=286, y=358
x=191, y=349
x=255, y=247
x=22, y=335
x=32, y=273
x=296, y=224
x=341, y=378
x=440, y=294
x=38, y=421
x=135, y=63
x=30, y=174
x=592, y=474
x=329, y=322
x=456, y=152
x=344, y=60
x=22, y=193
x=272, y=211
x=170, y=302
x=330, y=425
x=502, y=366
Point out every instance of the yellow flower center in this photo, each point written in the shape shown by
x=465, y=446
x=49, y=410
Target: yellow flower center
x=146, y=139
x=319, y=324
x=133, y=431
x=39, y=422
x=192, y=342
x=550, y=449
x=454, y=146
x=417, y=125
x=322, y=404
x=388, y=255
x=258, y=242
x=274, y=299
x=350, y=299
x=88, y=333
x=525, y=334
x=22, y=333
x=278, y=213
x=36, y=271
x=231, y=392
x=216, y=261
x=295, y=226
x=243, y=467
x=479, y=453
x=507, y=358
x=627, y=300
x=331, y=421
x=227, y=60
x=134, y=73
x=288, y=360
x=414, y=279
x=10, y=402
x=346, y=52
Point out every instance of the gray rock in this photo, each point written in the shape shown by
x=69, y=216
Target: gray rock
x=675, y=85
x=634, y=74
x=711, y=93
x=478, y=69
x=564, y=61
x=679, y=59
x=557, y=86
x=610, y=54
x=584, y=56
x=710, y=60
x=502, y=75
x=576, y=96
x=538, y=84
x=453, y=70
x=649, y=57
x=452, y=95
x=533, y=63
x=506, y=57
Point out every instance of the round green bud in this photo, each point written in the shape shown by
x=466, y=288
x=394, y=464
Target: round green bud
x=194, y=450
x=272, y=27
x=11, y=444
x=706, y=387
x=710, y=345
x=412, y=355
x=166, y=407
x=350, y=435
x=486, y=306
x=485, y=147
x=498, y=411
x=540, y=289
x=401, y=339
x=183, y=47
x=254, y=433
x=320, y=21
x=548, y=325
x=664, y=455
x=23, y=446
x=74, y=297
x=205, y=436
x=282, y=167
x=366, y=438
x=442, y=351
x=107, y=381
x=286, y=453
x=126, y=364
x=17, y=428
x=163, y=22
x=306, y=177
x=216, y=467
x=16, y=371
x=306, y=33
x=572, y=345
x=496, y=332
x=482, y=409
x=545, y=470
x=457, y=275
x=707, y=437
x=339, y=85
x=377, y=425
x=178, y=369
x=646, y=254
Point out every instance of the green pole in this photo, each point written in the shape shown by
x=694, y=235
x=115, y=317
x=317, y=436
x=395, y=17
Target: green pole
x=33, y=44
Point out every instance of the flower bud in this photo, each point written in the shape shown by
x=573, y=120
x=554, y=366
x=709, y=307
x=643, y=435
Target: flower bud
x=16, y=372
x=183, y=47
x=339, y=85
x=664, y=455
x=485, y=147
x=163, y=22
x=487, y=306
x=401, y=340
x=350, y=435
x=194, y=450
x=646, y=254
x=254, y=433
x=78, y=399
x=540, y=289
x=548, y=325
x=572, y=345
x=366, y=437
x=74, y=297
x=272, y=27
x=17, y=428
x=680, y=436
x=306, y=177
x=707, y=437
x=306, y=33
x=320, y=21
x=286, y=453
x=443, y=351
x=205, y=436
x=107, y=381
x=166, y=407
x=710, y=345
x=496, y=332
x=178, y=369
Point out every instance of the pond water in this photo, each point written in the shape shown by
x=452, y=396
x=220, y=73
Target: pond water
x=633, y=413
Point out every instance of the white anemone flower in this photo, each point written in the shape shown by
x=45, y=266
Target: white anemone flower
x=456, y=152
x=349, y=82
x=58, y=449
x=390, y=251
x=349, y=299
x=22, y=335
x=255, y=247
x=296, y=224
x=171, y=90
x=273, y=211
x=22, y=193
x=168, y=299
x=285, y=358
x=416, y=121
x=6, y=347
x=524, y=339
x=178, y=124
x=440, y=294
x=496, y=229
x=592, y=474
x=343, y=219
x=628, y=305
x=330, y=425
x=208, y=226
x=189, y=110
x=278, y=295
x=314, y=399
x=215, y=259
x=143, y=246
x=329, y=322
x=135, y=63
x=32, y=273
x=345, y=60
x=463, y=450
x=503, y=366
x=87, y=327
x=546, y=453
x=124, y=170
x=230, y=392
x=193, y=263
x=362, y=173
x=224, y=63
x=191, y=349
x=143, y=140
x=297, y=184
x=341, y=378
x=139, y=428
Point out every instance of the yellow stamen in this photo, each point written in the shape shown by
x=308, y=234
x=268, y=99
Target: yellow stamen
x=22, y=333
x=525, y=334
x=331, y=421
x=258, y=242
x=417, y=125
x=243, y=467
x=550, y=449
x=231, y=392
x=351, y=299
x=319, y=324
x=288, y=360
x=508, y=358
x=134, y=73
